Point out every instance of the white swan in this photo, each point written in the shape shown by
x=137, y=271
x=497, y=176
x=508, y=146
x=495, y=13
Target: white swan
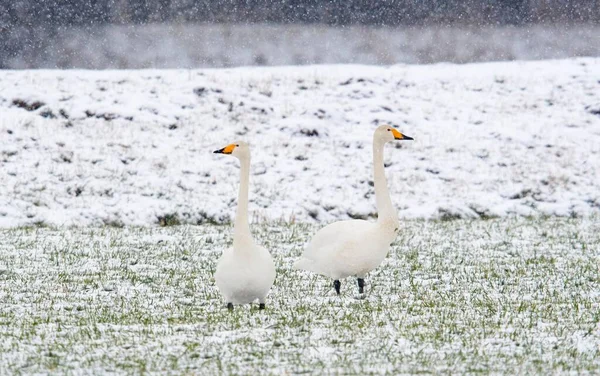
x=355, y=247
x=246, y=271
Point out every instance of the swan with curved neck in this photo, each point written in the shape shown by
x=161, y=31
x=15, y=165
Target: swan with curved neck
x=355, y=247
x=245, y=272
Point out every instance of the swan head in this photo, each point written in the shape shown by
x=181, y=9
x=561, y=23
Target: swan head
x=388, y=133
x=238, y=149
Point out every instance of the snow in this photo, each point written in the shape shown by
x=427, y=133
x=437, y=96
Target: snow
x=505, y=296
x=135, y=147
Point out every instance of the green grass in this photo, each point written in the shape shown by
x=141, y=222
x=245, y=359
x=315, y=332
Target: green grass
x=494, y=296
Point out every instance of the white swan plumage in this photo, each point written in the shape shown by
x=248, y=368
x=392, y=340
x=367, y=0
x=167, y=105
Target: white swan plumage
x=245, y=272
x=356, y=247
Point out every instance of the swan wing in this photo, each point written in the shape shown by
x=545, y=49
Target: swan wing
x=322, y=253
x=335, y=235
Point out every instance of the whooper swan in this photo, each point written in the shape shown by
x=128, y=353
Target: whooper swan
x=246, y=271
x=355, y=247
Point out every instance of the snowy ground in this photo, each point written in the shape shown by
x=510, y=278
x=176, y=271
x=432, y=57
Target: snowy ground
x=134, y=147
x=506, y=296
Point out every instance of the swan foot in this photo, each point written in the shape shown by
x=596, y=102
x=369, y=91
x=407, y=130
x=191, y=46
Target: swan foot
x=361, y=285
x=230, y=306
x=261, y=306
x=337, y=284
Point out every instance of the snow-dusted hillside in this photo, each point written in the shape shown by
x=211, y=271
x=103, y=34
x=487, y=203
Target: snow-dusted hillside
x=134, y=147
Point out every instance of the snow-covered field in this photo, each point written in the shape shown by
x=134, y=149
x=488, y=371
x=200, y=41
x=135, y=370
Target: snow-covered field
x=515, y=294
x=502, y=296
x=134, y=147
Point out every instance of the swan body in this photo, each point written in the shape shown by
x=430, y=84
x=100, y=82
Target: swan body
x=356, y=247
x=243, y=277
x=245, y=272
x=348, y=248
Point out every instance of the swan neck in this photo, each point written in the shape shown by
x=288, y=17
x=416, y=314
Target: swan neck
x=385, y=209
x=241, y=230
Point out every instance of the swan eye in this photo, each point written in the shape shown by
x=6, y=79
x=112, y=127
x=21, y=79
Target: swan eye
x=389, y=130
x=237, y=145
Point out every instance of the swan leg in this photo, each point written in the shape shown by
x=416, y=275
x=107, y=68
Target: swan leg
x=230, y=306
x=337, y=285
x=361, y=285
x=261, y=306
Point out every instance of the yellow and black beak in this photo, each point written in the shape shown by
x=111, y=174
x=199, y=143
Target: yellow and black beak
x=400, y=136
x=226, y=150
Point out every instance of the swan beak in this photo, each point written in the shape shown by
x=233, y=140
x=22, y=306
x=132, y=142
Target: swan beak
x=226, y=150
x=400, y=136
